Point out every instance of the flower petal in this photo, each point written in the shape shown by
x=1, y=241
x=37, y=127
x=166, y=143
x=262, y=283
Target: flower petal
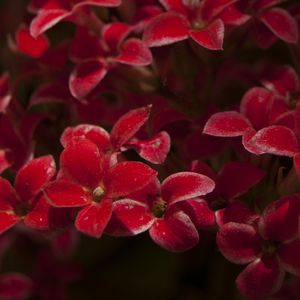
x=7, y=220
x=127, y=126
x=290, y=258
x=226, y=124
x=96, y=134
x=279, y=221
x=165, y=29
x=15, y=286
x=155, y=149
x=81, y=161
x=256, y=105
x=237, y=177
x=236, y=212
x=261, y=278
x=198, y=211
x=85, y=77
x=8, y=196
x=127, y=177
x=63, y=193
x=129, y=217
x=134, y=52
x=277, y=139
x=239, y=243
x=46, y=19
x=185, y=185
x=93, y=218
x=176, y=233
x=281, y=23
x=211, y=37
x=33, y=176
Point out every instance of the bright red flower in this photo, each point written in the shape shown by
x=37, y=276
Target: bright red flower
x=25, y=201
x=122, y=135
x=171, y=211
x=271, y=246
x=201, y=21
x=88, y=181
x=51, y=12
x=102, y=53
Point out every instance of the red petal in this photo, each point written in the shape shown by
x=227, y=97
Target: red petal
x=15, y=286
x=198, y=211
x=96, y=134
x=175, y=5
x=127, y=177
x=155, y=149
x=134, y=52
x=81, y=161
x=211, y=37
x=47, y=19
x=239, y=243
x=32, y=177
x=127, y=126
x=211, y=8
x=256, y=105
x=38, y=217
x=7, y=220
x=297, y=163
x=226, y=124
x=86, y=76
x=165, y=29
x=62, y=193
x=237, y=177
x=176, y=233
x=248, y=143
x=278, y=140
x=281, y=23
x=114, y=34
x=284, y=81
x=129, y=217
x=8, y=196
x=263, y=4
x=232, y=16
x=290, y=258
x=279, y=221
x=261, y=278
x=185, y=185
x=93, y=218
x=26, y=44
x=236, y=212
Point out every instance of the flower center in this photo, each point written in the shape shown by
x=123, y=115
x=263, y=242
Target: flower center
x=270, y=247
x=22, y=209
x=198, y=25
x=159, y=207
x=98, y=194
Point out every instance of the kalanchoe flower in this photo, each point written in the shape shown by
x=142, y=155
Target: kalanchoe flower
x=25, y=201
x=102, y=53
x=121, y=138
x=51, y=12
x=271, y=246
x=89, y=181
x=171, y=211
x=201, y=21
x=15, y=286
x=272, y=23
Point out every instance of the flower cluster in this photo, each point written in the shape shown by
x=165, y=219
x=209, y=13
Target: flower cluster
x=176, y=117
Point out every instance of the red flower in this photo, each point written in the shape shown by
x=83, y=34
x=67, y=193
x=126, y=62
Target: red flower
x=102, y=53
x=51, y=12
x=121, y=138
x=88, y=181
x=171, y=212
x=271, y=246
x=25, y=201
x=201, y=21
